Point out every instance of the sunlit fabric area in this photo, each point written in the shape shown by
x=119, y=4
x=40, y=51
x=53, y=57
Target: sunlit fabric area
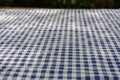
x=59, y=44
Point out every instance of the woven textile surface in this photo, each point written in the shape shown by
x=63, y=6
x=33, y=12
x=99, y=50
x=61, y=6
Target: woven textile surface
x=59, y=44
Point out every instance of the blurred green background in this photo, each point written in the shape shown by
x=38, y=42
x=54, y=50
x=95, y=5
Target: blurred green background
x=61, y=3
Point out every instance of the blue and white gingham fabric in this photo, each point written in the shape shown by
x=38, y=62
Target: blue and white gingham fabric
x=59, y=44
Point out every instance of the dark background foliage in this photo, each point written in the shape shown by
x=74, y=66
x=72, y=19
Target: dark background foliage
x=61, y=3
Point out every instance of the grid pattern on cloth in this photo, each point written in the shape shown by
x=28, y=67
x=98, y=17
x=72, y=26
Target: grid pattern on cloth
x=59, y=44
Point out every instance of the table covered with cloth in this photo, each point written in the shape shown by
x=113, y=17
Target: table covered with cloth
x=59, y=44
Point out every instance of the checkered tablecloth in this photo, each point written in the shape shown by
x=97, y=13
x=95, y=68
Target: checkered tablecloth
x=59, y=44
